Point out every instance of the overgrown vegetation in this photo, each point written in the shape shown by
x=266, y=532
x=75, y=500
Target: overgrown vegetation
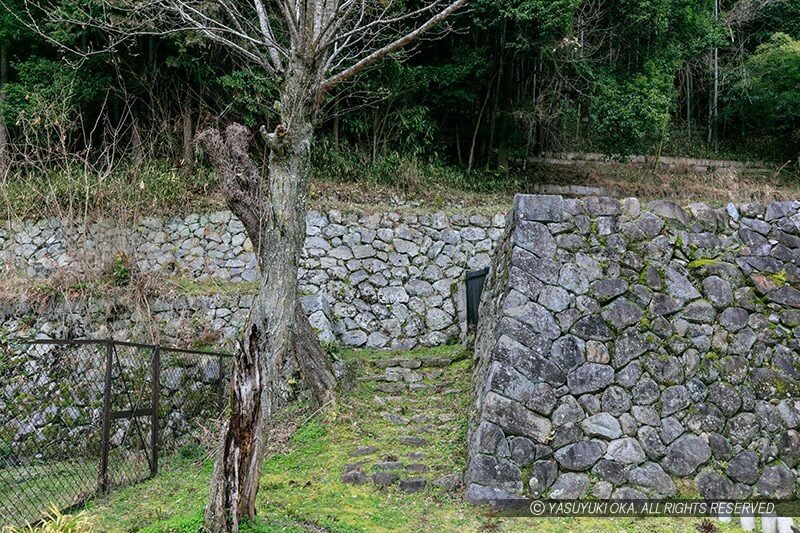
x=346, y=180
x=519, y=78
x=58, y=522
x=300, y=487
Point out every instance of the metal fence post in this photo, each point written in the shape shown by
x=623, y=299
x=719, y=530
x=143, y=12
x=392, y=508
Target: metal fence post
x=102, y=480
x=154, y=404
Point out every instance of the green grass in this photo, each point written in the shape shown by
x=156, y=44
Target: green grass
x=26, y=491
x=300, y=486
x=30, y=490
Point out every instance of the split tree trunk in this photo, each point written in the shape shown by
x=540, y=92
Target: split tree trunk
x=273, y=213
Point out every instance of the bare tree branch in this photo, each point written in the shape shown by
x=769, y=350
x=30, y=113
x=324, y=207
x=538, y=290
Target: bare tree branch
x=380, y=53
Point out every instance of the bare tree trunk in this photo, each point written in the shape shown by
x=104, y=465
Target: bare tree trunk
x=313, y=362
x=268, y=339
x=136, y=142
x=273, y=214
x=478, y=126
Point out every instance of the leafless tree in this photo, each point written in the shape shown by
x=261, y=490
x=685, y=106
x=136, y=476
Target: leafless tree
x=310, y=46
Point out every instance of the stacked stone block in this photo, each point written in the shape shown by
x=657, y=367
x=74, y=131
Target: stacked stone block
x=625, y=351
x=390, y=279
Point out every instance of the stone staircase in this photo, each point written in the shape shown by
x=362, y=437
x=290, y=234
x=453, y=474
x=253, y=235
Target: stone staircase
x=419, y=419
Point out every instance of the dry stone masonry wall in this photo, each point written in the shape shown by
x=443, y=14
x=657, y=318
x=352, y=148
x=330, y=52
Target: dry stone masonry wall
x=627, y=351
x=385, y=280
x=51, y=401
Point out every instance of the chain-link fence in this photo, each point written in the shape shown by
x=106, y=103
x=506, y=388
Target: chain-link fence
x=81, y=417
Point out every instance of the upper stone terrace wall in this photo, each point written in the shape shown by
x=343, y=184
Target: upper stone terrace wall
x=391, y=279
x=624, y=348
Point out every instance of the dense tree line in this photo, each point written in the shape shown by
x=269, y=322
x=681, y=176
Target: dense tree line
x=515, y=78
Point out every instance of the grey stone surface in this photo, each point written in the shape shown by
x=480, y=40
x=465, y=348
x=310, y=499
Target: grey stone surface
x=580, y=455
x=714, y=486
x=652, y=479
x=498, y=473
x=590, y=377
x=671, y=429
x=674, y=399
x=626, y=450
x=515, y=419
x=568, y=352
x=363, y=268
x=718, y=291
x=744, y=467
x=622, y=313
x=545, y=208
x=603, y=307
x=666, y=334
x=569, y=486
x=543, y=474
x=651, y=442
x=776, y=482
x=601, y=425
x=685, y=455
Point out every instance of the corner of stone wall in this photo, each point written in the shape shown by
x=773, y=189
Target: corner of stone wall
x=486, y=438
x=629, y=350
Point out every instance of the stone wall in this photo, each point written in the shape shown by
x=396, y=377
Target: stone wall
x=627, y=351
x=384, y=280
x=51, y=400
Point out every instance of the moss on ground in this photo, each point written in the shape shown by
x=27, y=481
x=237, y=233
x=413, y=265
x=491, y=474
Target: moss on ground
x=300, y=486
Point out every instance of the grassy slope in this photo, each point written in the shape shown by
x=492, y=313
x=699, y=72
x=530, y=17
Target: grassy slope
x=156, y=189
x=300, y=487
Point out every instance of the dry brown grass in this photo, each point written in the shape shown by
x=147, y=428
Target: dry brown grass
x=681, y=185
x=717, y=187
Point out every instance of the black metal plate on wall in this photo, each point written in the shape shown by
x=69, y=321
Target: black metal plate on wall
x=474, y=282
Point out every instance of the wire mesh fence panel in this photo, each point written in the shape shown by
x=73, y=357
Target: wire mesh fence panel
x=82, y=417
x=51, y=403
x=193, y=395
x=130, y=453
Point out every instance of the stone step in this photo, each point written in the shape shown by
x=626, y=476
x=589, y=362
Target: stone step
x=384, y=479
x=418, y=468
x=413, y=363
x=413, y=396
x=404, y=363
x=398, y=374
x=373, y=377
x=387, y=474
x=412, y=440
x=364, y=450
x=389, y=400
x=448, y=482
x=402, y=374
x=388, y=465
x=391, y=388
x=413, y=484
x=395, y=419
